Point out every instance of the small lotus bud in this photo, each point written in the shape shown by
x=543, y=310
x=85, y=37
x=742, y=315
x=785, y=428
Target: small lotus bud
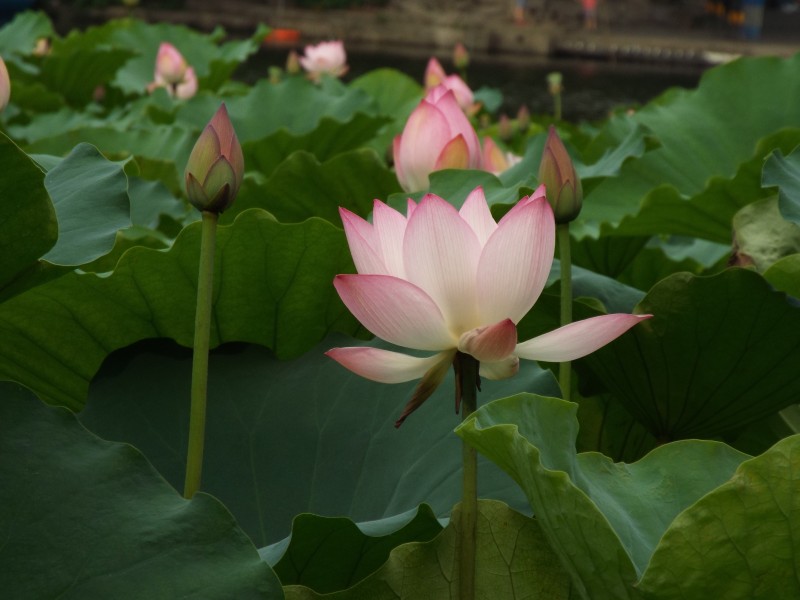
x=293, y=63
x=170, y=64
x=188, y=87
x=5, y=85
x=523, y=119
x=216, y=166
x=460, y=56
x=554, y=85
x=504, y=128
x=562, y=184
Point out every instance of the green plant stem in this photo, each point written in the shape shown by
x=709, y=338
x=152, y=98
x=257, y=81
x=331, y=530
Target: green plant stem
x=557, y=106
x=468, y=373
x=202, y=334
x=565, y=368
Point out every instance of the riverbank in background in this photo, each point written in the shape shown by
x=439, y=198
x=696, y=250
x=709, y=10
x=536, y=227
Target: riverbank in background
x=636, y=31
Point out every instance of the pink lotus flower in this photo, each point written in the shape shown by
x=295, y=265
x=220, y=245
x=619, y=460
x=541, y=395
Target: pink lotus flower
x=494, y=159
x=188, y=87
x=437, y=136
x=447, y=281
x=325, y=57
x=5, y=85
x=436, y=76
x=170, y=64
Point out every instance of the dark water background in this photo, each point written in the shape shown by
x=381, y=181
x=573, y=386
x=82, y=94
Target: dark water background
x=591, y=88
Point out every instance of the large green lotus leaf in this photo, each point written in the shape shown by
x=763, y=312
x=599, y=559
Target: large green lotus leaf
x=784, y=172
x=19, y=36
x=90, y=195
x=295, y=104
x=603, y=519
x=514, y=561
x=328, y=554
x=714, y=357
x=330, y=138
x=28, y=226
x=76, y=66
x=307, y=435
x=86, y=518
x=301, y=187
x=762, y=236
x=704, y=133
x=784, y=275
x=741, y=541
x=708, y=214
x=607, y=426
x=273, y=287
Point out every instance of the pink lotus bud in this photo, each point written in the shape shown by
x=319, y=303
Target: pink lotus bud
x=562, y=184
x=504, y=128
x=170, y=64
x=216, y=165
x=5, y=85
x=460, y=56
x=188, y=87
x=523, y=119
x=435, y=76
x=293, y=63
x=437, y=136
x=325, y=58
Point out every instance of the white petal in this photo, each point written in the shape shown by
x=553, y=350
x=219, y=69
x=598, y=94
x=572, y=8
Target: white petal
x=363, y=243
x=515, y=262
x=501, y=369
x=441, y=253
x=395, y=310
x=390, y=227
x=577, y=339
x=476, y=212
x=383, y=366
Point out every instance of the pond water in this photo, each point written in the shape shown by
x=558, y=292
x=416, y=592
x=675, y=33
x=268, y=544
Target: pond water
x=591, y=88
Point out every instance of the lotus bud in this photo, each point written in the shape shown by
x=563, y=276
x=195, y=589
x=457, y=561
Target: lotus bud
x=188, y=87
x=5, y=85
x=504, y=128
x=562, y=184
x=274, y=75
x=293, y=63
x=460, y=56
x=216, y=166
x=434, y=74
x=327, y=58
x=523, y=119
x=170, y=64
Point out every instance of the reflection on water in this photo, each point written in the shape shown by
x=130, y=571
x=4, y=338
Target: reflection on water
x=591, y=88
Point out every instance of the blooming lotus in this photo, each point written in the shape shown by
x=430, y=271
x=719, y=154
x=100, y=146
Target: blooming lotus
x=448, y=281
x=325, y=58
x=435, y=76
x=436, y=136
x=5, y=85
x=170, y=64
x=216, y=165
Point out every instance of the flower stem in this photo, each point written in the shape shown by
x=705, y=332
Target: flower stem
x=565, y=368
x=202, y=334
x=468, y=373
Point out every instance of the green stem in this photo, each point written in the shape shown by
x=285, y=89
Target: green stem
x=202, y=334
x=557, y=106
x=468, y=373
x=565, y=368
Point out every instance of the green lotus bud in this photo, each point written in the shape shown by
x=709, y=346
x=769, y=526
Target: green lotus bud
x=216, y=165
x=562, y=184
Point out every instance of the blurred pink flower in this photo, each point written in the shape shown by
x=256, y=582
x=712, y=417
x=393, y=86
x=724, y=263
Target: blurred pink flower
x=494, y=159
x=325, y=57
x=435, y=76
x=5, y=85
x=188, y=87
x=170, y=64
x=436, y=136
x=446, y=281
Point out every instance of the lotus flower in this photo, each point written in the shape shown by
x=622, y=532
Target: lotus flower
x=5, y=85
x=494, y=159
x=188, y=87
x=437, y=136
x=446, y=281
x=170, y=64
x=558, y=175
x=325, y=58
x=216, y=165
x=436, y=76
